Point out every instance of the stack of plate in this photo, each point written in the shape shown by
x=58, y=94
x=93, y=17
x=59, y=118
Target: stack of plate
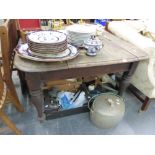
x=47, y=43
x=46, y=46
x=77, y=33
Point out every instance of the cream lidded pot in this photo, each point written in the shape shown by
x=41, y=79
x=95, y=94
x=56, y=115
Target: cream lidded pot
x=107, y=110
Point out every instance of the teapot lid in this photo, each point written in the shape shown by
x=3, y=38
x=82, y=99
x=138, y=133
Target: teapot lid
x=108, y=104
x=93, y=41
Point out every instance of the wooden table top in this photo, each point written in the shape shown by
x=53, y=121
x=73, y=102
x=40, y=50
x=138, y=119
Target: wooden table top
x=114, y=51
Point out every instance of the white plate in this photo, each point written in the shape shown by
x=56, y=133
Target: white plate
x=48, y=50
x=76, y=34
x=22, y=51
x=58, y=55
x=46, y=37
x=81, y=28
x=79, y=37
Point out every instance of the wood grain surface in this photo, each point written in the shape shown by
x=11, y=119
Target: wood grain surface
x=114, y=51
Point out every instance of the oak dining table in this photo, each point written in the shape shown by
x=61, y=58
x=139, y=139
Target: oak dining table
x=116, y=56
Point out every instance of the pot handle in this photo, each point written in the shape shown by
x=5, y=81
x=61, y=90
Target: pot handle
x=91, y=99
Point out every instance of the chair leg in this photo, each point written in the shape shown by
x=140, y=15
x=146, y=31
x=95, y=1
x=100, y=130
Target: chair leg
x=13, y=95
x=146, y=104
x=9, y=123
x=15, y=101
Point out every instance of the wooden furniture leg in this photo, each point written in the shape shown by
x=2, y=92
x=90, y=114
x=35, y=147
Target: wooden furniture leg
x=144, y=99
x=13, y=95
x=23, y=84
x=9, y=123
x=125, y=80
x=36, y=94
x=146, y=104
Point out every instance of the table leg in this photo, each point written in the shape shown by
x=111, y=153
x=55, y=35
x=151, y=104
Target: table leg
x=23, y=82
x=125, y=80
x=36, y=94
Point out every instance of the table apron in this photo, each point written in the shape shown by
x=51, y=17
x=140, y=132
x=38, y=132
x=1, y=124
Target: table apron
x=83, y=72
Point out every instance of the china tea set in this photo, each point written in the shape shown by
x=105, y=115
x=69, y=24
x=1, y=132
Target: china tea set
x=50, y=46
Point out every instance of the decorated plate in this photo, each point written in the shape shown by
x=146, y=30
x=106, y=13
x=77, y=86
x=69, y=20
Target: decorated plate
x=46, y=37
x=23, y=51
x=51, y=55
x=48, y=50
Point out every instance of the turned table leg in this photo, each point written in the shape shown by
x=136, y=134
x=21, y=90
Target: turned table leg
x=23, y=84
x=125, y=81
x=36, y=94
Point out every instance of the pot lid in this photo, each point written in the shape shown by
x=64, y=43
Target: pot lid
x=93, y=41
x=108, y=104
